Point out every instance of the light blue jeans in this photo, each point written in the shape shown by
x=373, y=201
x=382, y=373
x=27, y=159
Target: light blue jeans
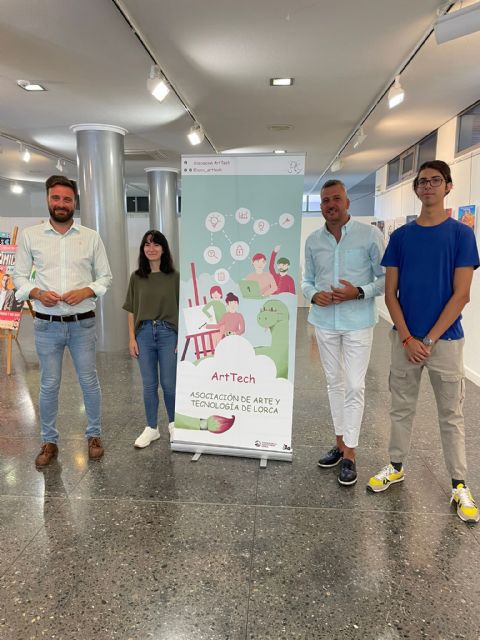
x=51, y=338
x=157, y=342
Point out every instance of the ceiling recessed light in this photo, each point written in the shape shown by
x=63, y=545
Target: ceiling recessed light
x=30, y=86
x=281, y=82
x=279, y=151
x=280, y=127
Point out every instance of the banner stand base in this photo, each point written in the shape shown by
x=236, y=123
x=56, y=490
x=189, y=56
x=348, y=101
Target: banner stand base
x=199, y=449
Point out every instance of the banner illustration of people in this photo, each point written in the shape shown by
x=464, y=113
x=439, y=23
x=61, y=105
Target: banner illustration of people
x=239, y=248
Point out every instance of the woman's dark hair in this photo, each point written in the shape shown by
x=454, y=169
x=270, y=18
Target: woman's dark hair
x=440, y=166
x=166, y=262
x=231, y=297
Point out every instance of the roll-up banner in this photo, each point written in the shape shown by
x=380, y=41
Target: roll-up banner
x=239, y=263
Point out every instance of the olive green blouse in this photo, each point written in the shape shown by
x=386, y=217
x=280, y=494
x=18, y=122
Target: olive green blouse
x=155, y=297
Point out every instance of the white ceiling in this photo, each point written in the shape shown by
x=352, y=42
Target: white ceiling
x=219, y=55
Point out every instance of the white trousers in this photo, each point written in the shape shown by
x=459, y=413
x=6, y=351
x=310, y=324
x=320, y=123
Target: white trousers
x=345, y=356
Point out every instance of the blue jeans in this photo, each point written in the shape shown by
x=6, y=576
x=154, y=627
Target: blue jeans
x=51, y=338
x=157, y=342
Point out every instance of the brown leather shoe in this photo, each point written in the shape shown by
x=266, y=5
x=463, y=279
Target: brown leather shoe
x=95, y=449
x=48, y=453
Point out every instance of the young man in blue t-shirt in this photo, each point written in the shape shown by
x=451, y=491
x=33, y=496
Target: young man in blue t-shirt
x=430, y=264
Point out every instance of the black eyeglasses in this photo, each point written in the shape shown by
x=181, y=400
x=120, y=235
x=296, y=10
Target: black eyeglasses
x=436, y=181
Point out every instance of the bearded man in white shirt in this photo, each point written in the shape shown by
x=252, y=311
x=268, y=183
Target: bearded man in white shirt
x=342, y=276
x=72, y=271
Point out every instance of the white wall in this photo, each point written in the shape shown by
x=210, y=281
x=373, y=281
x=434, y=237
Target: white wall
x=401, y=201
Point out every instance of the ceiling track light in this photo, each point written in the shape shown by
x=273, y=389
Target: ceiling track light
x=337, y=164
x=16, y=188
x=195, y=135
x=60, y=166
x=25, y=153
x=279, y=151
x=396, y=94
x=359, y=138
x=156, y=83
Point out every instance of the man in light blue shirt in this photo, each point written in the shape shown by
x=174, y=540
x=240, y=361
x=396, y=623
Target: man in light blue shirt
x=341, y=279
x=72, y=271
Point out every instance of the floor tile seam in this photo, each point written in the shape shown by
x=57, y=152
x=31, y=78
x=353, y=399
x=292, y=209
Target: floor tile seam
x=29, y=543
x=357, y=510
x=425, y=462
x=150, y=501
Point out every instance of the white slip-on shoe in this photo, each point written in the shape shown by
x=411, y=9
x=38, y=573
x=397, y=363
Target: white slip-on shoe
x=148, y=436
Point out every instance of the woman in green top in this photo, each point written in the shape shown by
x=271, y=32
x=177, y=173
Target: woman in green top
x=152, y=306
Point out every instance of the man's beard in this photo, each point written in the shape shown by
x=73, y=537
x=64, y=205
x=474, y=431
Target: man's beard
x=65, y=216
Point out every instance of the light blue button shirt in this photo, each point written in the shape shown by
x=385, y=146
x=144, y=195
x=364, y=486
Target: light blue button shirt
x=355, y=258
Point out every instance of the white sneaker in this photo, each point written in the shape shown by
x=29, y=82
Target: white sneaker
x=171, y=430
x=148, y=436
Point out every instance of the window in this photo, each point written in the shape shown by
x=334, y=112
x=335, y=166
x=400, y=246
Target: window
x=142, y=203
x=427, y=149
x=407, y=163
x=311, y=203
x=469, y=128
x=137, y=204
x=393, y=174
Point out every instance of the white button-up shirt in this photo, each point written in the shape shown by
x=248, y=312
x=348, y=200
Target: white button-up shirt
x=62, y=262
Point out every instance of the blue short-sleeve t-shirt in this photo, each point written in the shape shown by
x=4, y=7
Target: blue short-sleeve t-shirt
x=426, y=258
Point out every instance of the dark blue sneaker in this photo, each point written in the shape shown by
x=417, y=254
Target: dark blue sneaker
x=348, y=473
x=331, y=458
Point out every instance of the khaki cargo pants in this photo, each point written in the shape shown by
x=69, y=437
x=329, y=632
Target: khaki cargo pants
x=445, y=368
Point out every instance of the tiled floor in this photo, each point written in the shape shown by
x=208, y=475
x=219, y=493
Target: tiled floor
x=148, y=545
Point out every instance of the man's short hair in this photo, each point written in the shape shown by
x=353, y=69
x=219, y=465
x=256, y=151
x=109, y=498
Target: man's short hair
x=259, y=256
x=333, y=183
x=283, y=261
x=63, y=181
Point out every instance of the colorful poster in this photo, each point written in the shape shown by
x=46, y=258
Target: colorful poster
x=389, y=229
x=467, y=215
x=4, y=237
x=239, y=248
x=10, y=309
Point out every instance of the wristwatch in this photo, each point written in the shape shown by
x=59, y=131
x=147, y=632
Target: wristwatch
x=428, y=342
x=361, y=294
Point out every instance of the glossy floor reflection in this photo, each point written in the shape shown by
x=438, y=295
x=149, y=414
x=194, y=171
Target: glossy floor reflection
x=148, y=545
